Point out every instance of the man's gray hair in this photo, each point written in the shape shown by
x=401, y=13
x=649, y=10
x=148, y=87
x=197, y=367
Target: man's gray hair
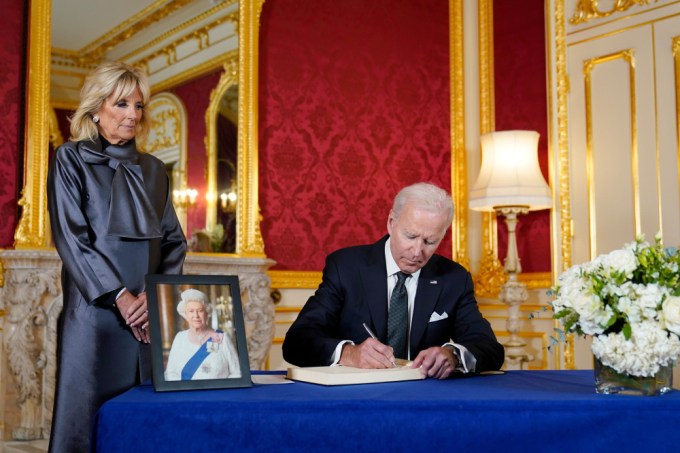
x=427, y=196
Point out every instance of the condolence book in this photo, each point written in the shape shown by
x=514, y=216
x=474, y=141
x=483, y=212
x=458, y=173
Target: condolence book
x=346, y=375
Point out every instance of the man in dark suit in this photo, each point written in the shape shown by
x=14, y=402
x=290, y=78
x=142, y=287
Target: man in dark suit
x=350, y=320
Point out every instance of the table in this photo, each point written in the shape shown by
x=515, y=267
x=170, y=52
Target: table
x=519, y=411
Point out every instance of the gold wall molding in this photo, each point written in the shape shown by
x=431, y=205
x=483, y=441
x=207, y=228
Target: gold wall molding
x=166, y=118
x=167, y=140
x=229, y=78
x=55, y=138
x=206, y=67
x=30, y=232
x=295, y=279
x=559, y=90
x=312, y=279
x=94, y=52
x=200, y=35
x=587, y=10
x=676, y=76
x=459, y=189
x=249, y=237
x=172, y=47
x=168, y=54
x=588, y=68
x=491, y=275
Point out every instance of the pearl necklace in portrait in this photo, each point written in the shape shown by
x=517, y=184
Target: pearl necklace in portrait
x=198, y=338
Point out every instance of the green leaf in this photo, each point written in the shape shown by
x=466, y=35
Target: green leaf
x=627, y=331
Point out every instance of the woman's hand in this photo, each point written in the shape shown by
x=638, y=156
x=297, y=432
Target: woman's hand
x=138, y=313
x=135, y=313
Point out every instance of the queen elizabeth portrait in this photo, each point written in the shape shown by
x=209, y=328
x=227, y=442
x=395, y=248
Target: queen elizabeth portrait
x=200, y=352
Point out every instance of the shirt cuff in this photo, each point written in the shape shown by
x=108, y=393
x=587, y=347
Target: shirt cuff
x=466, y=360
x=338, y=352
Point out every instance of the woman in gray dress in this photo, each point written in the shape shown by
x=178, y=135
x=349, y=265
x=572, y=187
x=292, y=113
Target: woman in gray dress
x=112, y=222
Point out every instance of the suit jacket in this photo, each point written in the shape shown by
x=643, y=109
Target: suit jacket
x=354, y=291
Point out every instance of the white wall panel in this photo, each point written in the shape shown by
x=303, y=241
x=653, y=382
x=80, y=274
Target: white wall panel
x=612, y=141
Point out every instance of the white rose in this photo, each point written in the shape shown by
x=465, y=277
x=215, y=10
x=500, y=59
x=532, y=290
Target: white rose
x=623, y=261
x=587, y=305
x=671, y=314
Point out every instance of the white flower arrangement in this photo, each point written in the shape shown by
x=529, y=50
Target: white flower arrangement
x=629, y=301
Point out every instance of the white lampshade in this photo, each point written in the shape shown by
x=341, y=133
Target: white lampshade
x=510, y=174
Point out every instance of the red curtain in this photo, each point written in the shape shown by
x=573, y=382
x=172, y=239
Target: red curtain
x=12, y=52
x=521, y=103
x=354, y=104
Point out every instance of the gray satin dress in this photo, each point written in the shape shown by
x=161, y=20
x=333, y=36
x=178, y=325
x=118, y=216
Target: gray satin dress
x=112, y=222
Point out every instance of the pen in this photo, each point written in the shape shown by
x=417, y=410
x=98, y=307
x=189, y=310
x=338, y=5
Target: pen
x=370, y=332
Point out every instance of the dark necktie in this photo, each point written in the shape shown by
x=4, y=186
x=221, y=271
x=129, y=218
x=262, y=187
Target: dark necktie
x=397, y=318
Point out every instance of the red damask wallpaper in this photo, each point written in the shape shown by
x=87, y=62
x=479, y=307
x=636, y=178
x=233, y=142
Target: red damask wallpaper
x=11, y=116
x=521, y=103
x=354, y=104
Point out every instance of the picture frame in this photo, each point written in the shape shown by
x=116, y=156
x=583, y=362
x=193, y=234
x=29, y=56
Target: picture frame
x=196, y=324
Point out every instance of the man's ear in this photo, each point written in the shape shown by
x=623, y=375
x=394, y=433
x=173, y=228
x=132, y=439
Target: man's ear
x=390, y=222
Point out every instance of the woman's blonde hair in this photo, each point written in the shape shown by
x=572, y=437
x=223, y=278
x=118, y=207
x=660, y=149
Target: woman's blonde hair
x=112, y=78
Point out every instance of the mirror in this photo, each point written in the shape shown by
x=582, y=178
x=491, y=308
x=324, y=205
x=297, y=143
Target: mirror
x=167, y=140
x=221, y=125
x=169, y=61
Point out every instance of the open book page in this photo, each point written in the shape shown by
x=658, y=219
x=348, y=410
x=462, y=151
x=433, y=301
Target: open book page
x=345, y=375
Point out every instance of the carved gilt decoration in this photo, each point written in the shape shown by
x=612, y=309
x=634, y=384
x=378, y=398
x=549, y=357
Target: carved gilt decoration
x=587, y=10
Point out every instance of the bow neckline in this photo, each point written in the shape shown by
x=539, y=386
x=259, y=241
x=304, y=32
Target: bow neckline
x=131, y=213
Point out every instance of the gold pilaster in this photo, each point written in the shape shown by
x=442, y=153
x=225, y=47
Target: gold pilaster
x=458, y=160
x=249, y=238
x=30, y=232
x=564, y=181
x=491, y=274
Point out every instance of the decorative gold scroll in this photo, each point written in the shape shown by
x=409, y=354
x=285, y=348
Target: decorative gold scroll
x=587, y=10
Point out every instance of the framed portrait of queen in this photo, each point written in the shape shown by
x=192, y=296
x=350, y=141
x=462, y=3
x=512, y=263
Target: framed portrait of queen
x=198, y=338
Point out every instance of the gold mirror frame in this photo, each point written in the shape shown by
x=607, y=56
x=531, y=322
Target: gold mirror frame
x=31, y=230
x=228, y=79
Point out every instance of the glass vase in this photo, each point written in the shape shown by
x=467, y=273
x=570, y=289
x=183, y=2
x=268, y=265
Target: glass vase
x=609, y=381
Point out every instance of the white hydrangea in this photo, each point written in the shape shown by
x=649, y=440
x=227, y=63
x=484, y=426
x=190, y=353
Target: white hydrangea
x=649, y=348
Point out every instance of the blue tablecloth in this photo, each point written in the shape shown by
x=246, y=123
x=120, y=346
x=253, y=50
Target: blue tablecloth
x=548, y=411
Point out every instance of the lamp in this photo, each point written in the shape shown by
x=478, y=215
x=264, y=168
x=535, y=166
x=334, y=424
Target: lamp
x=184, y=198
x=510, y=183
x=228, y=201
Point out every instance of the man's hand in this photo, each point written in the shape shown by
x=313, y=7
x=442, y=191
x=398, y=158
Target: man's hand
x=436, y=362
x=369, y=354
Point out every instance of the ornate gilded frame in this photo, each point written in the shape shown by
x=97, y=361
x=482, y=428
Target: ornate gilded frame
x=31, y=231
x=229, y=78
